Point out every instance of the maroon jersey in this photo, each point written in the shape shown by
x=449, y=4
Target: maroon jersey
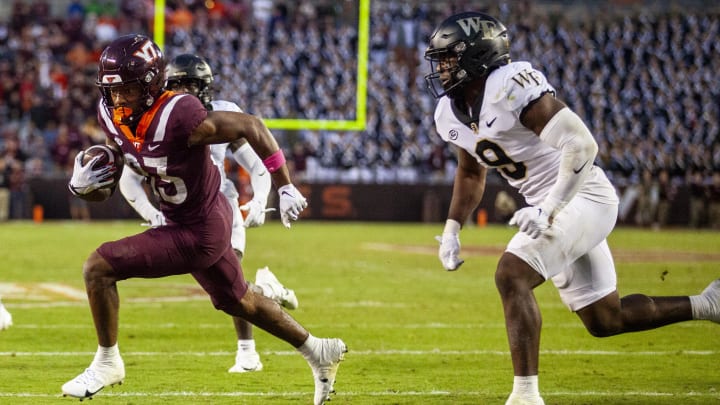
x=187, y=183
x=183, y=178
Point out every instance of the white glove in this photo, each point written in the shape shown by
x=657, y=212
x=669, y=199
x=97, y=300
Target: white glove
x=531, y=220
x=291, y=204
x=255, y=212
x=449, y=250
x=86, y=180
x=157, y=219
x=450, y=245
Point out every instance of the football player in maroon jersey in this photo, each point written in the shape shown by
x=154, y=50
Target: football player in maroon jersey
x=165, y=136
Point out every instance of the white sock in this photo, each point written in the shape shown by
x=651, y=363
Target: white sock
x=308, y=348
x=700, y=306
x=105, y=356
x=246, y=345
x=706, y=305
x=526, y=386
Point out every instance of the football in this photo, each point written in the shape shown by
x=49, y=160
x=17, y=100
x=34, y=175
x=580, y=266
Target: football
x=108, y=156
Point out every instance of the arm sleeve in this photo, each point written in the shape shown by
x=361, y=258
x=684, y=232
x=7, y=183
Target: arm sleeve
x=134, y=193
x=566, y=132
x=259, y=176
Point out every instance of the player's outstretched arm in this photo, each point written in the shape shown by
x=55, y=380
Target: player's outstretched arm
x=228, y=127
x=468, y=187
x=564, y=130
x=468, y=191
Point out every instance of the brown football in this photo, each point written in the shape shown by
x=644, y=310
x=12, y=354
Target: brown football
x=108, y=156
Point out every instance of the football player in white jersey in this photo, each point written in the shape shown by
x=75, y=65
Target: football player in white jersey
x=191, y=74
x=505, y=116
x=5, y=317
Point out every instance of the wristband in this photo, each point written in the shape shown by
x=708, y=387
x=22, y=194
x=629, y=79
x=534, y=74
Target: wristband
x=274, y=161
x=452, y=226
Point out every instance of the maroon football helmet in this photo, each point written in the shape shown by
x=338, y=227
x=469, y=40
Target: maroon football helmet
x=134, y=64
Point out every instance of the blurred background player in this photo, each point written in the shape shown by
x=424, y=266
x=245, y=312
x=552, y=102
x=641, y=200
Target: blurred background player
x=5, y=317
x=191, y=74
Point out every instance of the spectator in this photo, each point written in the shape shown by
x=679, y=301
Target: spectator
x=698, y=197
x=4, y=190
x=649, y=116
x=299, y=161
x=66, y=146
x=714, y=201
x=648, y=198
x=18, y=192
x=667, y=191
x=180, y=18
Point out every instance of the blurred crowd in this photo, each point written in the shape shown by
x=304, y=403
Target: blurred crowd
x=643, y=79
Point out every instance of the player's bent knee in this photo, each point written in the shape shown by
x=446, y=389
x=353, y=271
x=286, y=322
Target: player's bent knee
x=601, y=331
x=243, y=307
x=229, y=308
x=602, y=326
x=513, y=275
x=97, y=269
x=603, y=318
x=503, y=273
x=502, y=281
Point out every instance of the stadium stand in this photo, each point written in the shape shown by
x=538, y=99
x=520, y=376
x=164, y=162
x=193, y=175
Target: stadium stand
x=643, y=77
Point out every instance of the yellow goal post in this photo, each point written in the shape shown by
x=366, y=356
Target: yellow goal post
x=297, y=124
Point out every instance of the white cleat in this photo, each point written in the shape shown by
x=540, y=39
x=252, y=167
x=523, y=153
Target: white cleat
x=712, y=295
x=324, y=363
x=516, y=399
x=246, y=362
x=272, y=289
x=93, y=379
x=5, y=318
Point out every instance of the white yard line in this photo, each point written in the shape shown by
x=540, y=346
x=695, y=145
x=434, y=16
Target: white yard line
x=399, y=352
x=410, y=326
x=400, y=394
x=64, y=291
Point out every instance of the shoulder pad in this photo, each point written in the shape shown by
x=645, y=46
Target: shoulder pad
x=515, y=85
x=223, y=105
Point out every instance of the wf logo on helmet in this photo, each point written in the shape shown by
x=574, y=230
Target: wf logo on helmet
x=476, y=24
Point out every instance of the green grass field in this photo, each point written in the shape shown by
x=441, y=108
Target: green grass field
x=416, y=333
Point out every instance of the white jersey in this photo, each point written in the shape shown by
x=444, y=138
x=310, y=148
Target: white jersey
x=218, y=151
x=497, y=139
x=227, y=187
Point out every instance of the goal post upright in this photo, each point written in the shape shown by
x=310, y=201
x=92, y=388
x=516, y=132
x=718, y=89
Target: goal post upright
x=358, y=124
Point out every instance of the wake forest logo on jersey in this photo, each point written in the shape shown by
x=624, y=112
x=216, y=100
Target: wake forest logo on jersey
x=526, y=77
x=476, y=24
